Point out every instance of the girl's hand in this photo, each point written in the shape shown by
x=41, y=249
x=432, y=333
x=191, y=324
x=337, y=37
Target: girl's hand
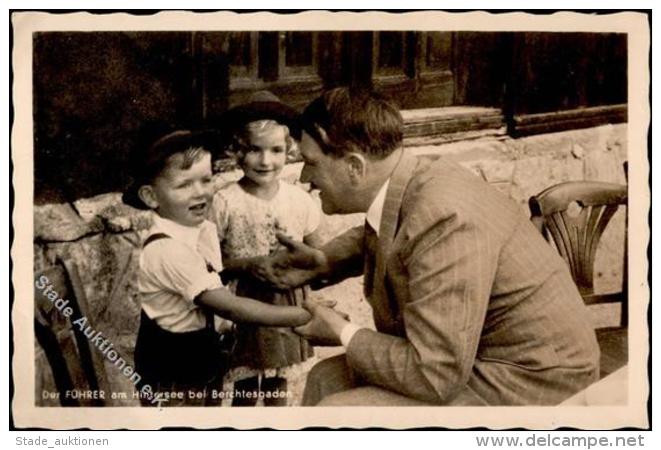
x=299, y=255
x=261, y=267
x=270, y=269
x=297, y=265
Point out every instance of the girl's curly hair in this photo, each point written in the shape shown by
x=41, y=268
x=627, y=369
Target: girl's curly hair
x=239, y=144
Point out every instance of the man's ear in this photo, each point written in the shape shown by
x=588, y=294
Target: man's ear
x=147, y=195
x=357, y=165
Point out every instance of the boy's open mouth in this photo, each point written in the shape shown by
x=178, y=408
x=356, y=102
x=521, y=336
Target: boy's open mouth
x=199, y=207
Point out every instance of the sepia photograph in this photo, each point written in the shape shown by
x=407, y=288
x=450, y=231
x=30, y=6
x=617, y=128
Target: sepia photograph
x=222, y=213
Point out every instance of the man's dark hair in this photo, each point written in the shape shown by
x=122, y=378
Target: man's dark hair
x=345, y=119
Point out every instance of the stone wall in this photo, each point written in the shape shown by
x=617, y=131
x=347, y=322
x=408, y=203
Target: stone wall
x=101, y=235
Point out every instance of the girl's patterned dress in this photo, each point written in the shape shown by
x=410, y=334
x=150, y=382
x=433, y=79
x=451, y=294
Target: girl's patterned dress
x=247, y=227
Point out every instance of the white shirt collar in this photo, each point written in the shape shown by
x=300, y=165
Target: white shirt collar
x=183, y=233
x=375, y=211
x=202, y=238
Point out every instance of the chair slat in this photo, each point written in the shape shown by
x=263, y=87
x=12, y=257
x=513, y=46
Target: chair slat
x=558, y=230
x=73, y=364
x=91, y=359
x=577, y=236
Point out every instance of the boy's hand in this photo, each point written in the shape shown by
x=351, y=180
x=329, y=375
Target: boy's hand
x=325, y=326
x=323, y=302
x=331, y=304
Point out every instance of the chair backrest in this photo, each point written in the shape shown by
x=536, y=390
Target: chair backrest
x=575, y=215
x=74, y=365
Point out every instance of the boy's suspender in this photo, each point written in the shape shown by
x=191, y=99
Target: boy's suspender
x=207, y=314
x=154, y=237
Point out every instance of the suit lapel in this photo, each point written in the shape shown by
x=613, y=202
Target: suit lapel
x=393, y=203
x=387, y=229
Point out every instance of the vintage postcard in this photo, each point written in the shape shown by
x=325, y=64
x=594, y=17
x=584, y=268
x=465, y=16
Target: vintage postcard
x=181, y=180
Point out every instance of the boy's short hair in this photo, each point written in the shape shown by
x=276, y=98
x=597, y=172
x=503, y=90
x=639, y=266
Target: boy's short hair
x=151, y=162
x=345, y=119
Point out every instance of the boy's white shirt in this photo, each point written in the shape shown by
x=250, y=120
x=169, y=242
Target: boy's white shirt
x=171, y=275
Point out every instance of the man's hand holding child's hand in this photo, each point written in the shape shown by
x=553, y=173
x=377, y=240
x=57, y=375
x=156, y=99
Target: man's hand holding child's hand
x=325, y=326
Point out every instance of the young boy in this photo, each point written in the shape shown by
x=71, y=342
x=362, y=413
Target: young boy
x=177, y=350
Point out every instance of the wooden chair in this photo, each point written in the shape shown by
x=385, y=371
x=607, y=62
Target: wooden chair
x=74, y=364
x=574, y=215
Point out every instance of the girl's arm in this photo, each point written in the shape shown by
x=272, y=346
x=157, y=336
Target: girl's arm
x=264, y=267
x=246, y=310
x=255, y=265
x=241, y=265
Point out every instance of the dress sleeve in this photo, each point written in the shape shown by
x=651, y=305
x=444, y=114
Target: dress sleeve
x=219, y=214
x=176, y=268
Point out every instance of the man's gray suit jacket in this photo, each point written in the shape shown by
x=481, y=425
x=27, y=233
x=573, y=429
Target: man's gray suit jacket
x=471, y=305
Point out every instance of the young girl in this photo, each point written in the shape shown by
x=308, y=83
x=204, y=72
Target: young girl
x=177, y=351
x=248, y=215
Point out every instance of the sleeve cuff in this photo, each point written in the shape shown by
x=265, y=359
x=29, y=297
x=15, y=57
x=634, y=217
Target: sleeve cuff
x=348, y=332
x=205, y=283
